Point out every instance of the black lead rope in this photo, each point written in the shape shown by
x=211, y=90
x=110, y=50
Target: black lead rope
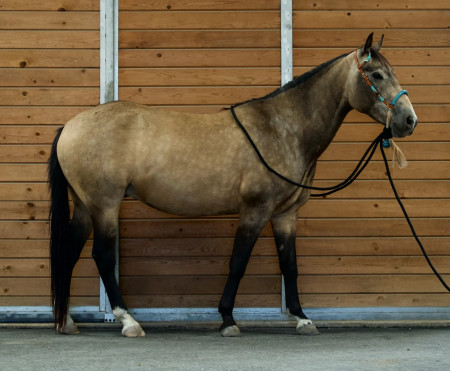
x=408, y=220
x=385, y=134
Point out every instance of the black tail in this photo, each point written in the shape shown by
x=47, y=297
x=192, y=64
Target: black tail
x=59, y=227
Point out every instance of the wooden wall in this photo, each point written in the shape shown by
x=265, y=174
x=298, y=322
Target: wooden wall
x=354, y=248
x=49, y=71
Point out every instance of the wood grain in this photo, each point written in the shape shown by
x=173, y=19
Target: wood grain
x=247, y=76
x=56, y=5
x=302, y=57
x=44, y=20
x=48, y=58
x=275, y=4
x=54, y=39
x=49, y=77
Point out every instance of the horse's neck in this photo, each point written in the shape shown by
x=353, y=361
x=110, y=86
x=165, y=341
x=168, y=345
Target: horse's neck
x=317, y=108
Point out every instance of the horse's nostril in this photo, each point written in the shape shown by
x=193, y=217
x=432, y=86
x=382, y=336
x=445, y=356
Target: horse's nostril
x=410, y=121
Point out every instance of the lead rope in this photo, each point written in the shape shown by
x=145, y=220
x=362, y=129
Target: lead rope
x=408, y=220
x=382, y=139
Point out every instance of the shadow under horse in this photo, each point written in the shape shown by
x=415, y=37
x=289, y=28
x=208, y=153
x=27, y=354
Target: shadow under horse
x=202, y=164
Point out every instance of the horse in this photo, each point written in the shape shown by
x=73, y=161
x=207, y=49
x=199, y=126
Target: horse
x=202, y=164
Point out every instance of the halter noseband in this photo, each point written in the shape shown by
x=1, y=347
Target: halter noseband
x=389, y=106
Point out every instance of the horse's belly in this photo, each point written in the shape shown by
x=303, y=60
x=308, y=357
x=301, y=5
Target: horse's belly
x=191, y=197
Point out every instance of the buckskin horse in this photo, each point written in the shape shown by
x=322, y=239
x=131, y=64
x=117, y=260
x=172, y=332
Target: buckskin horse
x=202, y=164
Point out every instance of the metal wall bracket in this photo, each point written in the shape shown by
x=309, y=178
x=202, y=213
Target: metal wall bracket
x=286, y=76
x=109, y=91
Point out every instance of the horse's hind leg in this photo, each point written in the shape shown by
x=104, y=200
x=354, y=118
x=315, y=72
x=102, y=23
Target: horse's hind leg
x=105, y=234
x=79, y=229
x=284, y=230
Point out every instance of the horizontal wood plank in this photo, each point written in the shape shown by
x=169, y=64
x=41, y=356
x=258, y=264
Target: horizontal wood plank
x=28, y=115
x=268, y=39
x=130, y=266
x=163, y=20
x=50, y=39
x=219, y=228
x=241, y=76
x=67, y=5
x=356, y=19
x=275, y=4
x=364, y=284
x=198, y=5
x=199, y=39
x=367, y=189
x=49, y=77
x=309, y=284
x=24, y=191
x=308, y=228
x=197, y=285
x=353, y=39
x=48, y=58
x=265, y=246
x=373, y=300
x=222, y=247
x=307, y=300
x=46, y=301
x=199, y=301
x=198, y=20
x=50, y=96
x=45, y=20
x=41, y=287
x=41, y=268
x=20, y=248
x=302, y=57
x=218, y=95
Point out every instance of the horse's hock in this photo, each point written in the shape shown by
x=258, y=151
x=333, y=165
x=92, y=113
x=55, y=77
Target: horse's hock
x=355, y=256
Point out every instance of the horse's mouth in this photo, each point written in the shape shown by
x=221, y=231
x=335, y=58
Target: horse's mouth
x=396, y=133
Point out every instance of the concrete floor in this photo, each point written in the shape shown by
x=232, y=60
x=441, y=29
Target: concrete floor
x=204, y=349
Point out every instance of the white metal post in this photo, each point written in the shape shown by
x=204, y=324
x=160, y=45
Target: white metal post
x=109, y=91
x=286, y=76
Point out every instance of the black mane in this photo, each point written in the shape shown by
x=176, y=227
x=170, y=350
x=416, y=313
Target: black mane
x=297, y=80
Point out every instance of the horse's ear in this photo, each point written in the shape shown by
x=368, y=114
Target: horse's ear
x=377, y=46
x=368, y=44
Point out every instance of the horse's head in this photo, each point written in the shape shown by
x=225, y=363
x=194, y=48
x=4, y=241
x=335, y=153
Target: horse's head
x=374, y=90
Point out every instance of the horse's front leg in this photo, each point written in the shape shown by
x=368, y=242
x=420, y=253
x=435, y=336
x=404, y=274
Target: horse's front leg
x=284, y=230
x=246, y=235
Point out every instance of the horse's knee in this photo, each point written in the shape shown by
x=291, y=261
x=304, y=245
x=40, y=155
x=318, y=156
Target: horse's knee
x=103, y=252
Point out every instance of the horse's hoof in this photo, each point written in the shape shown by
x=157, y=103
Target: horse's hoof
x=69, y=328
x=133, y=331
x=307, y=329
x=230, y=331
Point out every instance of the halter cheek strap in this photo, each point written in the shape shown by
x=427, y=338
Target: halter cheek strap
x=388, y=105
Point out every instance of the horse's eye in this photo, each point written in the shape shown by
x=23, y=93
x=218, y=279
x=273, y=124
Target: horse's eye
x=377, y=76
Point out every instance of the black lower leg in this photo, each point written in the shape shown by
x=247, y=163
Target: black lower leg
x=243, y=244
x=288, y=266
x=104, y=256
